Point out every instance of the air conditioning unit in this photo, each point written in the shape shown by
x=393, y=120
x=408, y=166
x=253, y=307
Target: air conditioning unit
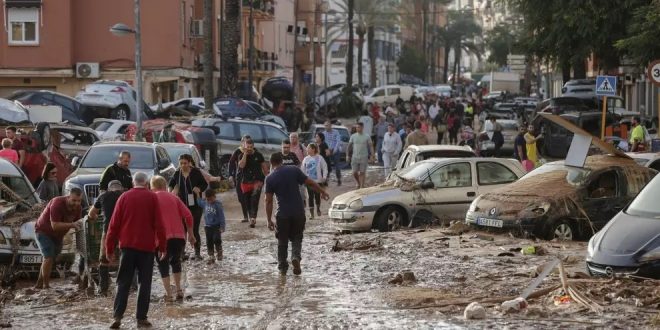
x=87, y=70
x=196, y=28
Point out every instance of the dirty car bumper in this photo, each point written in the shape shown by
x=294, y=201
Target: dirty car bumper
x=522, y=225
x=351, y=220
x=650, y=269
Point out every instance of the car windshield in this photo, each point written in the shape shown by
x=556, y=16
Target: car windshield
x=445, y=154
x=100, y=126
x=175, y=151
x=646, y=203
x=235, y=108
x=101, y=157
x=18, y=185
x=417, y=171
x=574, y=175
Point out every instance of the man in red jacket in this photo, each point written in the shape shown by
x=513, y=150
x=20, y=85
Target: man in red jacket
x=136, y=223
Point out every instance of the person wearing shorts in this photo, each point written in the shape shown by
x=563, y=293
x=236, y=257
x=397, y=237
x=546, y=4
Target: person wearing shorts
x=360, y=151
x=60, y=215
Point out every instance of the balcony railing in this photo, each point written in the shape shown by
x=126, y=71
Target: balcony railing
x=263, y=61
x=267, y=6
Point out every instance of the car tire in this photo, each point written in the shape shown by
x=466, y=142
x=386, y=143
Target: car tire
x=43, y=129
x=563, y=230
x=224, y=167
x=120, y=113
x=390, y=219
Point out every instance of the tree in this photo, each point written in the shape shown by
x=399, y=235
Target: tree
x=501, y=41
x=458, y=34
x=412, y=62
x=231, y=38
x=642, y=42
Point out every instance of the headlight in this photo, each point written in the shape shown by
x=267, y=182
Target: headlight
x=473, y=206
x=68, y=186
x=536, y=210
x=3, y=240
x=590, y=246
x=355, y=205
x=653, y=255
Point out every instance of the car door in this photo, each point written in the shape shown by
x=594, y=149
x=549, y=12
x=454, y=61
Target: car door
x=492, y=175
x=230, y=140
x=605, y=197
x=255, y=131
x=392, y=94
x=453, y=190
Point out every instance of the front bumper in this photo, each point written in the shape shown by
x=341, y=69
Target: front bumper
x=352, y=220
x=649, y=269
x=31, y=261
x=521, y=225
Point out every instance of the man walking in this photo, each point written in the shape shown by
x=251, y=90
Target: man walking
x=391, y=148
x=236, y=178
x=60, y=215
x=118, y=171
x=105, y=202
x=333, y=139
x=136, y=223
x=289, y=158
x=359, y=151
x=283, y=182
x=381, y=129
x=252, y=169
x=417, y=137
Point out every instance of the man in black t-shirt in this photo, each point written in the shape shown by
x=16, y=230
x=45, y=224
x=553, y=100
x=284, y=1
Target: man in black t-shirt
x=288, y=157
x=118, y=171
x=252, y=169
x=106, y=203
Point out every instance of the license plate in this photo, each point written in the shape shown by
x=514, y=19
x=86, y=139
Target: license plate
x=490, y=222
x=31, y=259
x=336, y=214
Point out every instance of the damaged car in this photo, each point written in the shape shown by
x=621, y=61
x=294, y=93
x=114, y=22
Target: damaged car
x=19, y=209
x=442, y=187
x=561, y=201
x=630, y=243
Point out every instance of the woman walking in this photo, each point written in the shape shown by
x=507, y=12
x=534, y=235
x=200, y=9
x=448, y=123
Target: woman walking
x=48, y=187
x=319, y=138
x=172, y=211
x=452, y=126
x=315, y=167
x=188, y=183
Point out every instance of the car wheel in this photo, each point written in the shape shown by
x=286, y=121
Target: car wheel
x=390, y=219
x=562, y=230
x=224, y=167
x=43, y=129
x=120, y=113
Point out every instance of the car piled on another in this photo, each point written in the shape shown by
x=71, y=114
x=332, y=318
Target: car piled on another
x=561, y=201
x=116, y=99
x=441, y=188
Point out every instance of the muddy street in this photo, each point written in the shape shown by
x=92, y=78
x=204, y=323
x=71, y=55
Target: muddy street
x=413, y=278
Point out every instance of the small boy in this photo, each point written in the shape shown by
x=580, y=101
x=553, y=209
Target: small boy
x=214, y=224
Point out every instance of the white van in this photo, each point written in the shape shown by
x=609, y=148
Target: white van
x=388, y=94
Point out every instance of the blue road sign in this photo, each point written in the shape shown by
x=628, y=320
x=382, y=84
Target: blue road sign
x=606, y=86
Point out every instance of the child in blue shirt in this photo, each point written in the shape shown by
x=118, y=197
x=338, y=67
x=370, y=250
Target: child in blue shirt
x=214, y=224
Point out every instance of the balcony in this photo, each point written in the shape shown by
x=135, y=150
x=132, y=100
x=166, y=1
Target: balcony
x=263, y=9
x=265, y=63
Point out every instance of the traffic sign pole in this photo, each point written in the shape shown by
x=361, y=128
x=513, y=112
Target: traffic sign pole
x=602, y=124
x=653, y=73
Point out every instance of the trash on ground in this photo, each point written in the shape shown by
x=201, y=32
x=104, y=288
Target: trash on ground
x=474, y=311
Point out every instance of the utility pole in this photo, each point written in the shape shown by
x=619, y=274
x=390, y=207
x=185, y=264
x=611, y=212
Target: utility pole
x=295, y=49
x=314, y=40
x=251, y=49
x=221, y=30
x=325, y=61
x=138, y=71
x=208, y=56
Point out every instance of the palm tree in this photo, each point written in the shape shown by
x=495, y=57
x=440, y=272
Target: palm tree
x=231, y=41
x=459, y=35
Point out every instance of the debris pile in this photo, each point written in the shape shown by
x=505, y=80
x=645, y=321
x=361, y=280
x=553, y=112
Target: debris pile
x=404, y=278
x=357, y=245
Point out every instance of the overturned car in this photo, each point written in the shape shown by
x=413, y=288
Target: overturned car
x=561, y=201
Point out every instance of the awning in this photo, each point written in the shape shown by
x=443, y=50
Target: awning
x=23, y=3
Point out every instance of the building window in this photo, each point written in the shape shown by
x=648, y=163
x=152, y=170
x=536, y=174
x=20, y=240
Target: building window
x=23, y=26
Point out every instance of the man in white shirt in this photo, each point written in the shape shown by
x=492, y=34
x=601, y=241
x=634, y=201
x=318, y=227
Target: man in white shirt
x=433, y=113
x=368, y=123
x=391, y=148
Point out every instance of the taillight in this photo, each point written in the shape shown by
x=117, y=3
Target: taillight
x=118, y=90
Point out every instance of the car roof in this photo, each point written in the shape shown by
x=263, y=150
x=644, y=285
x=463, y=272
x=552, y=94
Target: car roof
x=239, y=120
x=643, y=155
x=434, y=147
x=74, y=127
x=175, y=144
x=46, y=92
x=8, y=167
x=125, y=143
x=597, y=162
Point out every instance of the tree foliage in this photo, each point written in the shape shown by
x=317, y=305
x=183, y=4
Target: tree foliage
x=412, y=62
x=642, y=42
x=501, y=41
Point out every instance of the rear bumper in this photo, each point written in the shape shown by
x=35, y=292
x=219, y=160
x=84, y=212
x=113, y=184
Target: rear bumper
x=103, y=101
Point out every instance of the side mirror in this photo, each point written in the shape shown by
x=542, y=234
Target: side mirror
x=427, y=185
x=163, y=164
x=75, y=161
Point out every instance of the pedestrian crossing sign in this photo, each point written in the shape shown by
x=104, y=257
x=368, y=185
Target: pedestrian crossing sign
x=606, y=86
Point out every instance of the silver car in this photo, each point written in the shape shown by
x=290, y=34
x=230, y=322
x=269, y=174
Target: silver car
x=443, y=187
x=117, y=96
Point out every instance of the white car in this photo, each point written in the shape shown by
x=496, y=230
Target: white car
x=388, y=94
x=17, y=200
x=110, y=129
x=444, y=187
x=647, y=159
x=116, y=96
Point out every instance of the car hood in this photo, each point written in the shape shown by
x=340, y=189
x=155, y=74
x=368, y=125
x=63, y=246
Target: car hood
x=26, y=231
x=624, y=239
x=367, y=194
x=89, y=175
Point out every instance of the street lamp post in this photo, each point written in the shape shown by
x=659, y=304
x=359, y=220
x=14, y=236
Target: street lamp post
x=121, y=30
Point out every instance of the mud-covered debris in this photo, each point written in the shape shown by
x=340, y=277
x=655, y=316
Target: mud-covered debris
x=483, y=237
x=505, y=254
x=474, y=311
x=5, y=325
x=405, y=277
x=535, y=312
x=457, y=228
x=514, y=306
x=359, y=245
